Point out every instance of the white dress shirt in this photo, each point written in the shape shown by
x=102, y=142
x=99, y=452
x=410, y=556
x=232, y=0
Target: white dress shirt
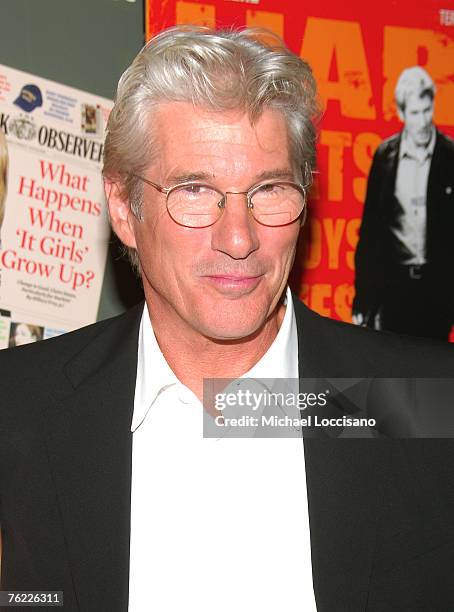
x=220, y=524
x=411, y=193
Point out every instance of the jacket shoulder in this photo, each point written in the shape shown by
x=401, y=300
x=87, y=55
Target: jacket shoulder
x=42, y=359
x=346, y=350
x=445, y=142
x=389, y=145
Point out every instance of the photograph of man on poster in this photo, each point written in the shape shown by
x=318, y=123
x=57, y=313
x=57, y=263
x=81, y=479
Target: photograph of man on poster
x=405, y=255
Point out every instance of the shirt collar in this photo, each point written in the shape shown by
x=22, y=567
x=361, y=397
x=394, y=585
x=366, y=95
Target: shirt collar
x=407, y=148
x=154, y=374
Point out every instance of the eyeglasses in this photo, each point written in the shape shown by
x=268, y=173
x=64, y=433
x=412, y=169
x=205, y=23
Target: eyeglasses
x=272, y=203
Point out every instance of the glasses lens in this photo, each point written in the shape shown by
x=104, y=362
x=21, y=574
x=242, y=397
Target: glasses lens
x=194, y=205
x=277, y=203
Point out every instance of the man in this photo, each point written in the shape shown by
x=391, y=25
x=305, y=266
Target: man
x=405, y=250
x=109, y=492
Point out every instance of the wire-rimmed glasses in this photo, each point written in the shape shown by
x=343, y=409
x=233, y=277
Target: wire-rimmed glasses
x=197, y=204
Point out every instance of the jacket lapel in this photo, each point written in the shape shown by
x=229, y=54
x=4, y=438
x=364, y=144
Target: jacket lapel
x=390, y=174
x=435, y=164
x=436, y=183
x=344, y=483
x=89, y=446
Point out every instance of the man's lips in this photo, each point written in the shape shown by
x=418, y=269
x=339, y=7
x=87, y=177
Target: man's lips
x=233, y=281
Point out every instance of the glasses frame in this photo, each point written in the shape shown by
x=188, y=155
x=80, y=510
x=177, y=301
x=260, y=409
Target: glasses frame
x=222, y=202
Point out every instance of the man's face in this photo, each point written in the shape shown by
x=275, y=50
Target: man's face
x=224, y=280
x=417, y=115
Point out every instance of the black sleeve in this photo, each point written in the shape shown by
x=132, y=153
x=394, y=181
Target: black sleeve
x=369, y=260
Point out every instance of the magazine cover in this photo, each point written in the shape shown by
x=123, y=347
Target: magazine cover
x=54, y=229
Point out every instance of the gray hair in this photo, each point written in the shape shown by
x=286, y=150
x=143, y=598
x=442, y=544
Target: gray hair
x=218, y=70
x=414, y=80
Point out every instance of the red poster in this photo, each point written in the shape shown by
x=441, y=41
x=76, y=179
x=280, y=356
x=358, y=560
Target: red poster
x=357, y=54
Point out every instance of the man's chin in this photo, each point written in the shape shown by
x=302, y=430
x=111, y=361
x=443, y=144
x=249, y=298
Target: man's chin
x=235, y=333
x=423, y=140
x=225, y=328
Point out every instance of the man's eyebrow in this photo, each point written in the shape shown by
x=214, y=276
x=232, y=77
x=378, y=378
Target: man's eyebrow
x=278, y=173
x=266, y=175
x=185, y=177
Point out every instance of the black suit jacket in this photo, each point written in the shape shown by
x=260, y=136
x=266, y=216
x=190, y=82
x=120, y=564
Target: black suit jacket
x=381, y=511
x=376, y=257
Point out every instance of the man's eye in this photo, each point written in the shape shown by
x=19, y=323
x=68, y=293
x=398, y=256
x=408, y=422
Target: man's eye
x=193, y=188
x=269, y=189
x=196, y=189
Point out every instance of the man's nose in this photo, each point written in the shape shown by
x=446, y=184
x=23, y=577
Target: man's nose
x=422, y=120
x=235, y=232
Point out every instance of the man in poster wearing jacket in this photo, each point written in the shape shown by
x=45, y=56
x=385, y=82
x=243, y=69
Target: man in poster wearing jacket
x=405, y=254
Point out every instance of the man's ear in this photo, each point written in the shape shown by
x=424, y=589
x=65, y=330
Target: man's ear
x=121, y=216
x=400, y=114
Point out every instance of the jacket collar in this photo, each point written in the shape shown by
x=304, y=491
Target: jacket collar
x=89, y=448
x=344, y=477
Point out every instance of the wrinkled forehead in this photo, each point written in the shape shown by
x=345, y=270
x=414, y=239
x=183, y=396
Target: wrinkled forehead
x=190, y=138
